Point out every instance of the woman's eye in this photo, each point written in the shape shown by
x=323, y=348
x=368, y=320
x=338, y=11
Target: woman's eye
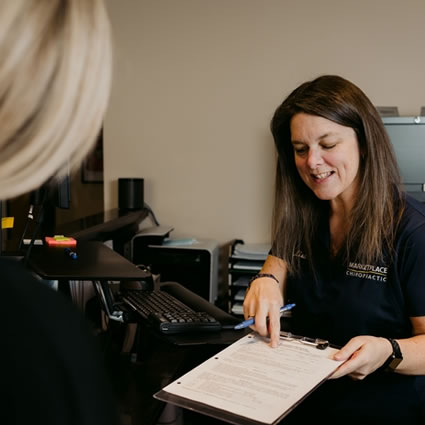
x=300, y=151
x=327, y=147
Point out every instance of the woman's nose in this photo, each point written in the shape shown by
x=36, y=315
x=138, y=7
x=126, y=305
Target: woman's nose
x=314, y=158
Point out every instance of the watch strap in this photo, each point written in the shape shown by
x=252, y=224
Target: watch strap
x=395, y=357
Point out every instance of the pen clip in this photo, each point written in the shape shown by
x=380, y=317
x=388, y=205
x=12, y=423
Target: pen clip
x=319, y=343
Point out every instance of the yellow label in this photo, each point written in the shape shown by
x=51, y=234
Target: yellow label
x=7, y=222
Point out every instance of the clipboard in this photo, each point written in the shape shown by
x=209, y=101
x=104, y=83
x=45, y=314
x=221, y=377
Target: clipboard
x=249, y=383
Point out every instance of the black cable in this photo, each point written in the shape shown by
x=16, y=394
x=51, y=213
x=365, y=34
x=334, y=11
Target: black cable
x=151, y=213
x=38, y=221
x=30, y=216
x=36, y=197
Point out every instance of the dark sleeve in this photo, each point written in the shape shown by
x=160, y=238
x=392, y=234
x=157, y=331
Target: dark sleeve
x=51, y=367
x=411, y=266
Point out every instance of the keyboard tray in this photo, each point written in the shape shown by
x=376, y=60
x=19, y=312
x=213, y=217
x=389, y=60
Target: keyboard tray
x=168, y=314
x=197, y=303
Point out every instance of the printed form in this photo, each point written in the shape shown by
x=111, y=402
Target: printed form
x=253, y=380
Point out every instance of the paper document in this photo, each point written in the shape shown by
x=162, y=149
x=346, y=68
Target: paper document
x=253, y=382
x=237, y=308
x=254, y=251
x=248, y=265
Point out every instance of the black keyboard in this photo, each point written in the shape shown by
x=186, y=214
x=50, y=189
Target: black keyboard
x=167, y=314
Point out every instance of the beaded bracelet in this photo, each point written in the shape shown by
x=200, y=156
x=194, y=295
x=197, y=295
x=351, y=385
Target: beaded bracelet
x=258, y=275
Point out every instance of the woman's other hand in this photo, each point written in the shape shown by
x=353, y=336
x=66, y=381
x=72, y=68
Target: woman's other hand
x=362, y=355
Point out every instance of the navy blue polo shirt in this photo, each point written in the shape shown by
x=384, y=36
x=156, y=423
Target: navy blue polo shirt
x=363, y=299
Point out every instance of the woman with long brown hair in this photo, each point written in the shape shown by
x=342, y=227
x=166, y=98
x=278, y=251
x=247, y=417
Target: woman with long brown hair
x=349, y=250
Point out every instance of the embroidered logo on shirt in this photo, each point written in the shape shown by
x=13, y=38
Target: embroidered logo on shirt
x=367, y=271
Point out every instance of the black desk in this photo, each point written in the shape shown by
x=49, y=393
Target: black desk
x=95, y=262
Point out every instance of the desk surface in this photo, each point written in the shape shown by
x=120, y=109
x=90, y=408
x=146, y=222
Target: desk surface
x=95, y=262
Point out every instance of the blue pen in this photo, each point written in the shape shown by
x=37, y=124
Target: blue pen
x=251, y=320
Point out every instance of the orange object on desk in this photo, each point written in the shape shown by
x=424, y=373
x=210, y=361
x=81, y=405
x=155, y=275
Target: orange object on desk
x=60, y=240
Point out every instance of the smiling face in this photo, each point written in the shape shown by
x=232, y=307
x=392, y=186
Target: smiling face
x=327, y=157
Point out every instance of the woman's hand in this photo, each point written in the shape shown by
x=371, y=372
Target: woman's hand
x=362, y=355
x=263, y=301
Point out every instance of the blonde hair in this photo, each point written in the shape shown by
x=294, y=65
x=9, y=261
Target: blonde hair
x=55, y=74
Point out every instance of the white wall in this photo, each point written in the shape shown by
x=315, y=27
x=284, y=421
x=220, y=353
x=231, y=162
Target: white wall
x=197, y=81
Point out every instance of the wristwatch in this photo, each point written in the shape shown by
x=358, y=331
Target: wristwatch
x=395, y=357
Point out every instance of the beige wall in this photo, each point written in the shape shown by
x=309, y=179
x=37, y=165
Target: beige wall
x=197, y=81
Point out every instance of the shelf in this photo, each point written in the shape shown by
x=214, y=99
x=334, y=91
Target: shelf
x=245, y=261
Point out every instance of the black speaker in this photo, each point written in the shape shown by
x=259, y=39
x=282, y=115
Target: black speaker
x=130, y=193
